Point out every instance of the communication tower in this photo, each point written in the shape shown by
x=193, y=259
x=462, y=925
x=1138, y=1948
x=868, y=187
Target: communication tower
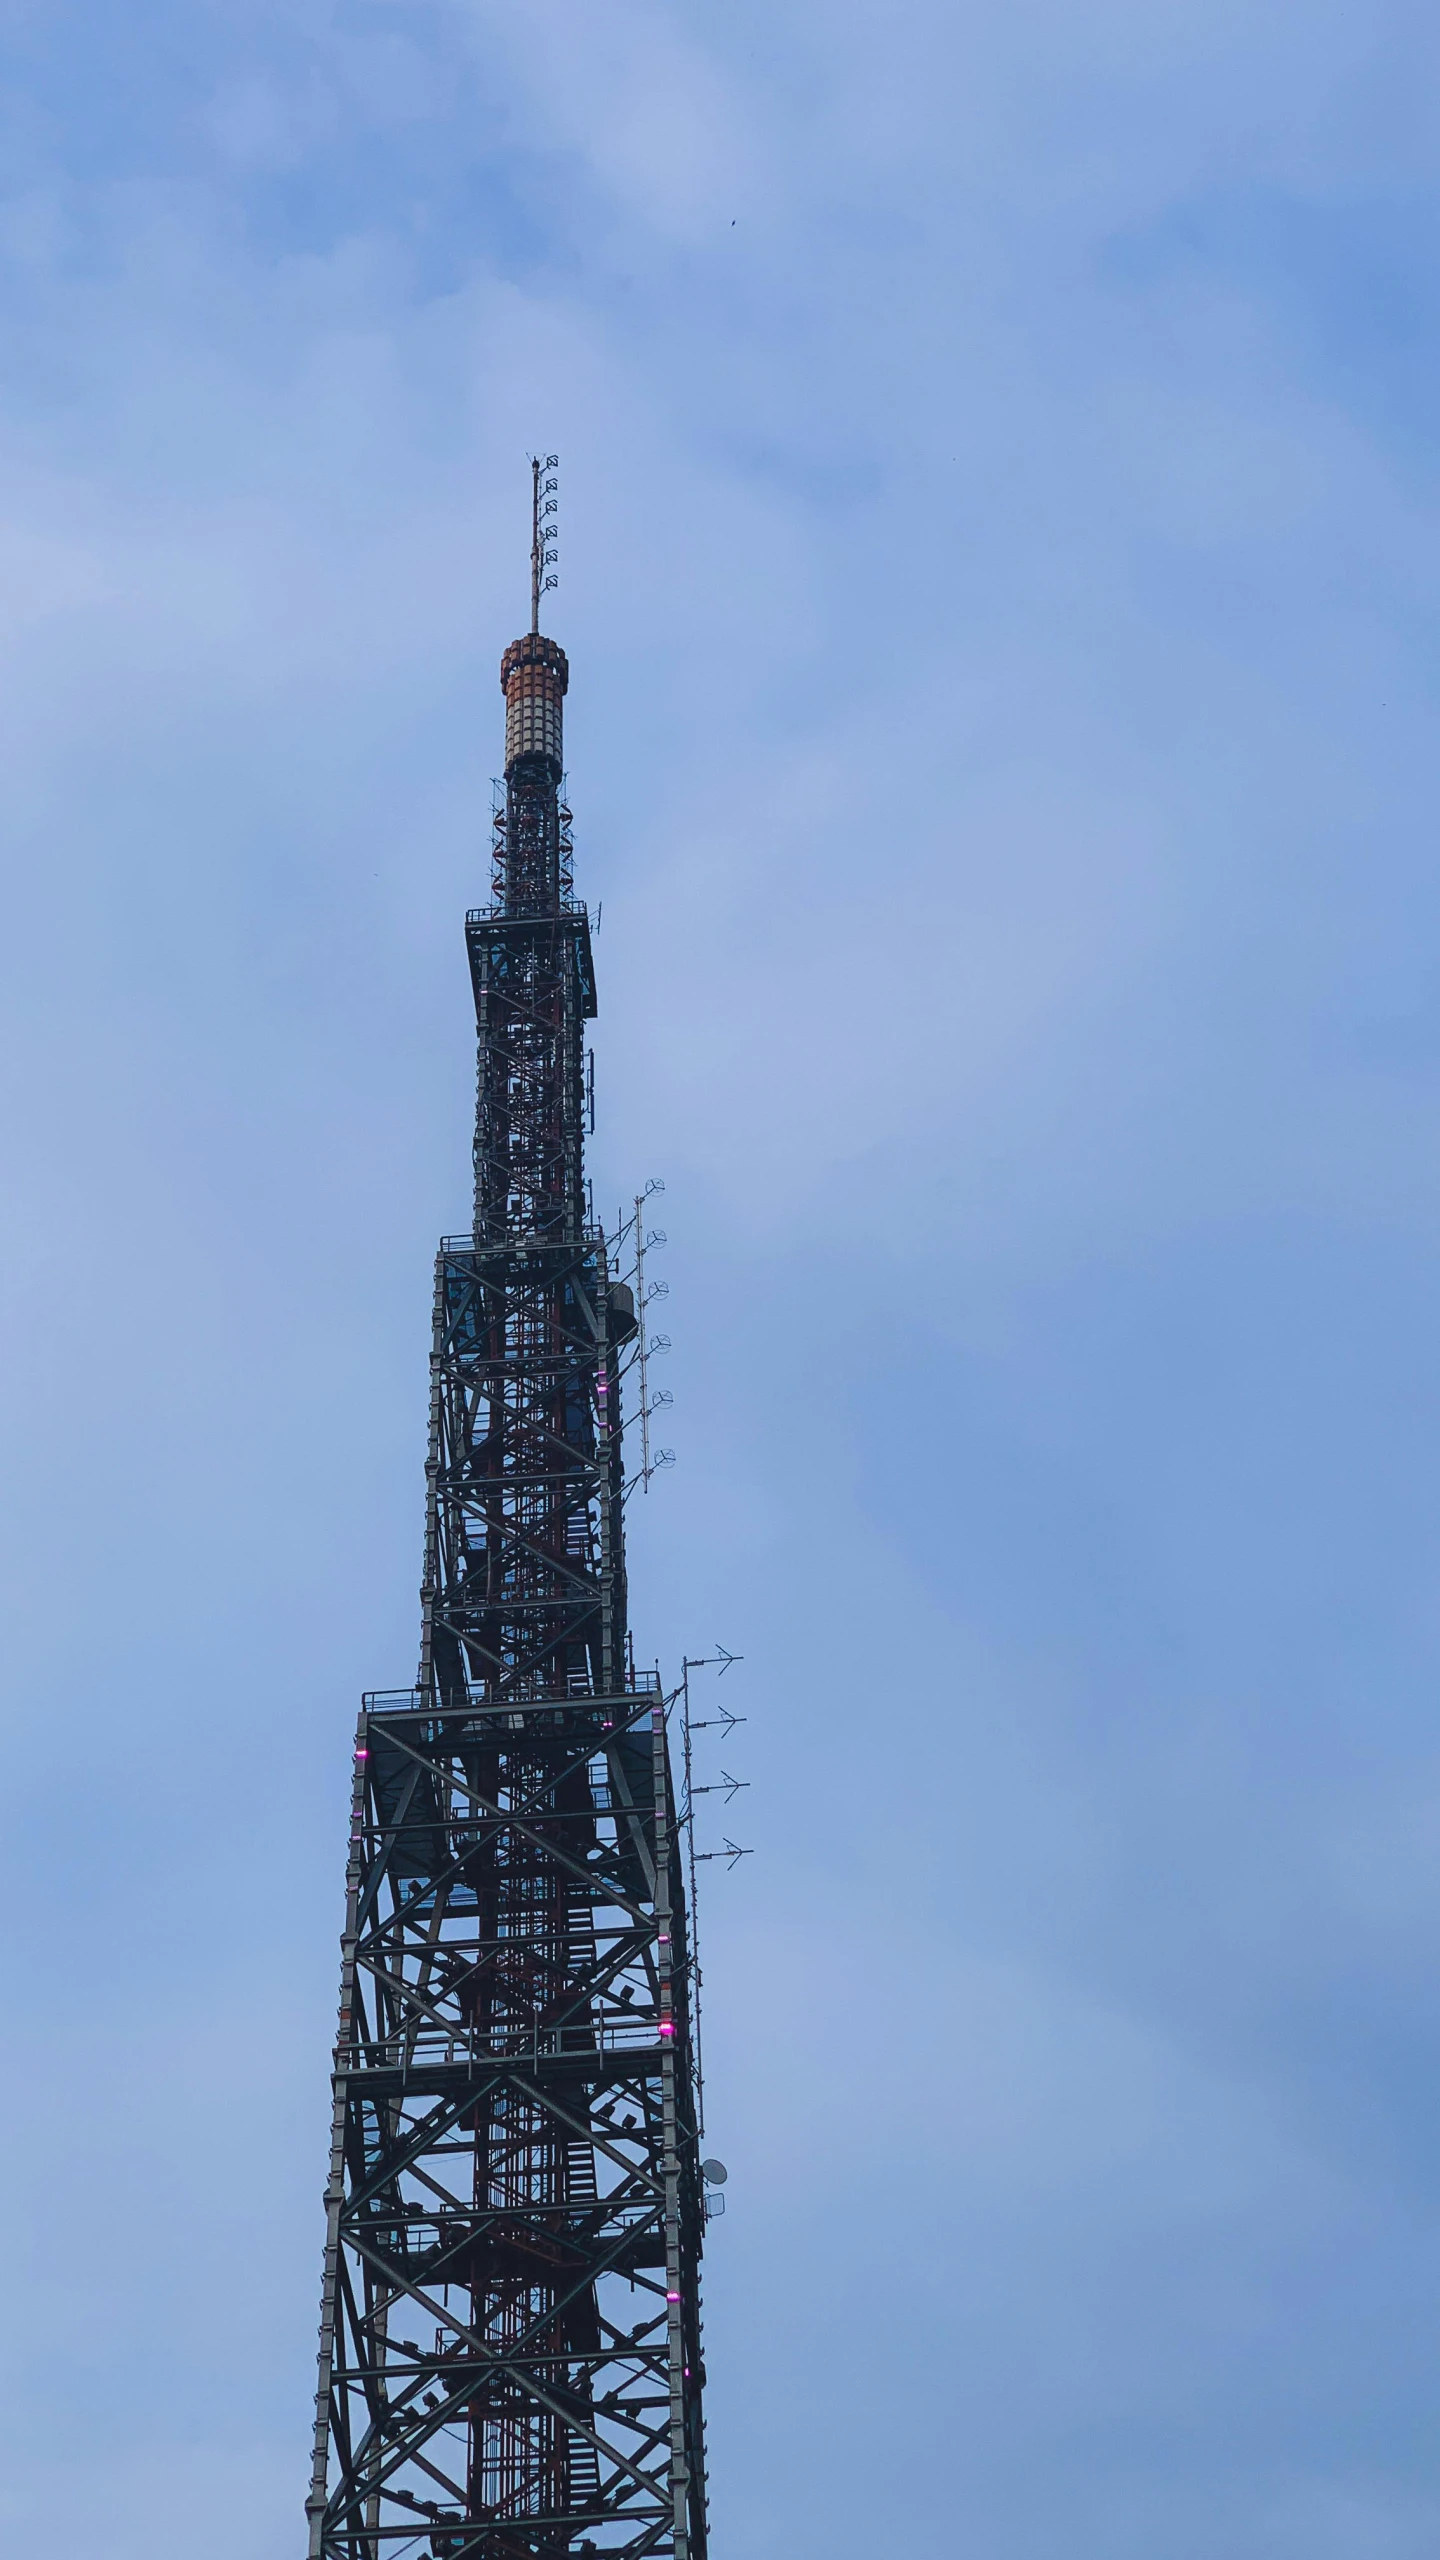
x=510, y=2332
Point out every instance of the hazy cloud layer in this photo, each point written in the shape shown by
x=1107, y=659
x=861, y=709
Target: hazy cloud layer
x=1000, y=549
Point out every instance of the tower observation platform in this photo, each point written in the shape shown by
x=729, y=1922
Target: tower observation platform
x=510, y=2362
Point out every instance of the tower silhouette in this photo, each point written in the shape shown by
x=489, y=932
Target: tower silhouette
x=510, y=2331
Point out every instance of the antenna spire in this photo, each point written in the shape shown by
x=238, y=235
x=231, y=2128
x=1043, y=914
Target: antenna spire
x=544, y=528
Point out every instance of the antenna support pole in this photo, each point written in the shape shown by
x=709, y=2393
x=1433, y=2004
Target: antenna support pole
x=544, y=526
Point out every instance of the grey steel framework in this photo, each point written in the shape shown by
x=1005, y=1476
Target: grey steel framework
x=510, y=2341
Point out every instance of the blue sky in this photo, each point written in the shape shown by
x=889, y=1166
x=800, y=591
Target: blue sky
x=1000, y=552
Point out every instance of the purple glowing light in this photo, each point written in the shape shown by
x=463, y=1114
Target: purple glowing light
x=672, y=2297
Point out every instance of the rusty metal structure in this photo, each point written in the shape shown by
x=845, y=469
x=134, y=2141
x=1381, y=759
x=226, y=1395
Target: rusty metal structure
x=510, y=2338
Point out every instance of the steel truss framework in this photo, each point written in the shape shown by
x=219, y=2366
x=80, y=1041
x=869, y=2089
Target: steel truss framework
x=510, y=2342
x=512, y=2318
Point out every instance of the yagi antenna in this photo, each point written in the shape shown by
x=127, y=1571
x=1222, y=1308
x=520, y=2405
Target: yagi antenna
x=544, y=531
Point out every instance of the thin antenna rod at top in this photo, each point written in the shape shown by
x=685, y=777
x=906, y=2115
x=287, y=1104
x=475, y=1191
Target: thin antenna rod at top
x=543, y=528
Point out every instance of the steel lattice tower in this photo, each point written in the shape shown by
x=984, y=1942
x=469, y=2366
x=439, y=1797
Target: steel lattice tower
x=510, y=2332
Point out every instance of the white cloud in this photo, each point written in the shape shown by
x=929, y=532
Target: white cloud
x=1002, y=741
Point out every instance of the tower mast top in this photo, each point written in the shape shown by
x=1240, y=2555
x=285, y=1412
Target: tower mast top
x=544, y=526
